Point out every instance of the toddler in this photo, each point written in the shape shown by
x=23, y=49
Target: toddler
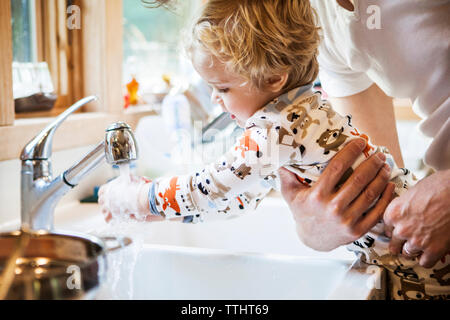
x=260, y=59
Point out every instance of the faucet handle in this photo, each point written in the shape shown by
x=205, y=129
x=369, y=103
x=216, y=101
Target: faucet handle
x=40, y=147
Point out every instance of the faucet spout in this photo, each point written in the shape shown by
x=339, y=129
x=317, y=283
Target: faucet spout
x=118, y=147
x=40, y=147
x=40, y=193
x=79, y=170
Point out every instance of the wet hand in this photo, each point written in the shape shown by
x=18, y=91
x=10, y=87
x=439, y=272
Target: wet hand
x=126, y=197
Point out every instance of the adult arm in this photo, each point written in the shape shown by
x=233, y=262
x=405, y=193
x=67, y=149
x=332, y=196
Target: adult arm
x=420, y=219
x=373, y=113
x=340, y=209
x=327, y=218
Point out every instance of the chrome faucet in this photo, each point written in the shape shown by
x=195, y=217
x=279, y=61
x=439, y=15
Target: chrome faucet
x=40, y=193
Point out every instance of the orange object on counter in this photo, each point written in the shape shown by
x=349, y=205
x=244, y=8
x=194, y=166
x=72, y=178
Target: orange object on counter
x=132, y=88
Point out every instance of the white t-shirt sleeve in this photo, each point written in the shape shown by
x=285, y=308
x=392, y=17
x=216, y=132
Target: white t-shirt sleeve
x=337, y=79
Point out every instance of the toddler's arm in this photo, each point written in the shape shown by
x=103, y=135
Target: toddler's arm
x=297, y=130
x=236, y=182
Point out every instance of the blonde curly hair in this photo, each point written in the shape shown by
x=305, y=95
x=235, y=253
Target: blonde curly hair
x=257, y=39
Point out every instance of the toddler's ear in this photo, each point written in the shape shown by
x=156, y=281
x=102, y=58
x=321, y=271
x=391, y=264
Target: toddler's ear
x=276, y=82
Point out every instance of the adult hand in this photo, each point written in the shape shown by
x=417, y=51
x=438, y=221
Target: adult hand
x=328, y=217
x=419, y=220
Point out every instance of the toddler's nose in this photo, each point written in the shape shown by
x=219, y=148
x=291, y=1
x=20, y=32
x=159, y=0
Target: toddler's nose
x=214, y=97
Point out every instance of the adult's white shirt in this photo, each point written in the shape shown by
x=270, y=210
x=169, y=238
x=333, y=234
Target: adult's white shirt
x=401, y=45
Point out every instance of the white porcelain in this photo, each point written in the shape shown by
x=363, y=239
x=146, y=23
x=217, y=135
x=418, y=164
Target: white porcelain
x=269, y=229
x=180, y=273
x=256, y=256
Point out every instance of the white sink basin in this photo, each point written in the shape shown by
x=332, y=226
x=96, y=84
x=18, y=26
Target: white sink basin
x=171, y=260
x=180, y=273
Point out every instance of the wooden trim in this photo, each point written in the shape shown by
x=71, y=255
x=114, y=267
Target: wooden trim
x=62, y=48
x=50, y=40
x=56, y=50
x=40, y=114
x=114, y=56
x=102, y=53
x=75, y=60
x=6, y=84
x=78, y=130
x=85, y=61
x=93, y=26
x=39, y=30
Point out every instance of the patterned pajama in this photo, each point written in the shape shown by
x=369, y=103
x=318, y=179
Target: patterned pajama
x=301, y=132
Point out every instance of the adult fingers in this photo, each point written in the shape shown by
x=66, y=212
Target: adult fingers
x=375, y=214
x=290, y=186
x=360, y=178
x=390, y=217
x=410, y=251
x=429, y=257
x=393, y=212
x=388, y=230
x=340, y=163
x=369, y=195
x=396, y=243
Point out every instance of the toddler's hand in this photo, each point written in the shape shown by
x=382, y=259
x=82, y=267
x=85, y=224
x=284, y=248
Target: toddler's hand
x=126, y=196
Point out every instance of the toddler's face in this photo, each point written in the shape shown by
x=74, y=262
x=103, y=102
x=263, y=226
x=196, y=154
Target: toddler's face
x=230, y=91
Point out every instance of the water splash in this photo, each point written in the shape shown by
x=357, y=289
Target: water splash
x=124, y=172
x=119, y=283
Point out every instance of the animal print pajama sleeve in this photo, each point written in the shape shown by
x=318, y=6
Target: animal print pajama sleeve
x=301, y=132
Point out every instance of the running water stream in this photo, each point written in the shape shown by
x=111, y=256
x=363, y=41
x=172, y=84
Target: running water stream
x=121, y=263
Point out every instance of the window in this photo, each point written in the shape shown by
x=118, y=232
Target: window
x=29, y=76
x=152, y=43
x=41, y=52
x=86, y=61
x=82, y=61
x=23, y=30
